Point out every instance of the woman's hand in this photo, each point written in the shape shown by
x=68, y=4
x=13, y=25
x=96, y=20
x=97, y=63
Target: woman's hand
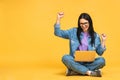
x=103, y=36
x=59, y=16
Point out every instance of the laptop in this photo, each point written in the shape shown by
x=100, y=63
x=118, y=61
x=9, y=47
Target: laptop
x=85, y=56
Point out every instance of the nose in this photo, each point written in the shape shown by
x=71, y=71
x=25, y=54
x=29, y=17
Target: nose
x=83, y=26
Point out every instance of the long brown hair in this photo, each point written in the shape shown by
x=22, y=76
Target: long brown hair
x=90, y=29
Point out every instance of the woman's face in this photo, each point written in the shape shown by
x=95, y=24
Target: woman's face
x=84, y=25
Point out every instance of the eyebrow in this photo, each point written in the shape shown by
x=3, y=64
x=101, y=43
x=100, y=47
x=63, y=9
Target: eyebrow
x=83, y=23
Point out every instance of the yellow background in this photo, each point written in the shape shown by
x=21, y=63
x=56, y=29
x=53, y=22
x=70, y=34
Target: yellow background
x=27, y=38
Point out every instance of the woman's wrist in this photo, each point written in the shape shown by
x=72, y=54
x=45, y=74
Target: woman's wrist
x=103, y=44
x=58, y=21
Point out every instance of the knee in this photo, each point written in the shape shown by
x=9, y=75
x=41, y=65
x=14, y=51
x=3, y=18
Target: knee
x=101, y=61
x=65, y=58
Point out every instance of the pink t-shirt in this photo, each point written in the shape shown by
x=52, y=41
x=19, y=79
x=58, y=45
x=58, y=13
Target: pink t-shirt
x=84, y=46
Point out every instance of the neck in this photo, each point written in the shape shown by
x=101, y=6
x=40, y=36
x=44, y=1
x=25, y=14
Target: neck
x=85, y=31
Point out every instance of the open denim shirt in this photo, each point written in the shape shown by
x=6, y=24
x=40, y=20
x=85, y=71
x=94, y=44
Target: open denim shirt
x=71, y=34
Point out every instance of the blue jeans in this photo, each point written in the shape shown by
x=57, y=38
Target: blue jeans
x=83, y=67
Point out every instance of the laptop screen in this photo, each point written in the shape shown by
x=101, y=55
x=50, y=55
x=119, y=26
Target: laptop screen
x=85, y=56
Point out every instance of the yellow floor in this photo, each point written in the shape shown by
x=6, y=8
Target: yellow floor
x=37, y=72
x=24, y=67
x=51, y=74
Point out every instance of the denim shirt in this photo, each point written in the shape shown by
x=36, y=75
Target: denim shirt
x=71, y=34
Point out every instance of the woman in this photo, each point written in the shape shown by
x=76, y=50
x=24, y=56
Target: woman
x=82, y=38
